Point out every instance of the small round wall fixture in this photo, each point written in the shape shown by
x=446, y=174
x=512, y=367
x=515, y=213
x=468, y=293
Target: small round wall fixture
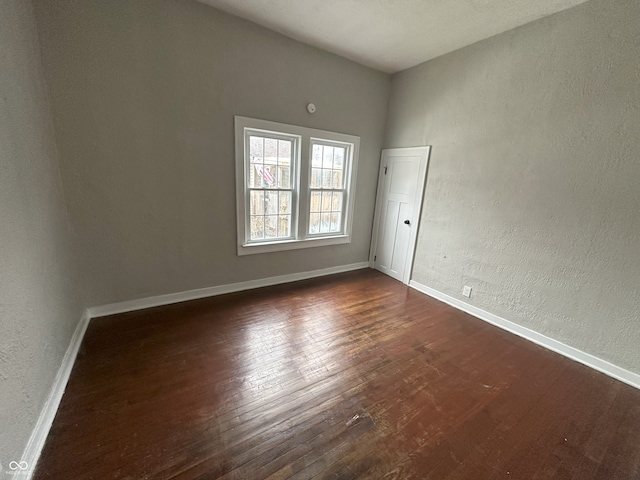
x=311, y=108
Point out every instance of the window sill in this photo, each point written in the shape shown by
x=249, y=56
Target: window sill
x=255, y=248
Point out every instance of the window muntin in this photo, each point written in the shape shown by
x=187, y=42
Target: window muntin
x=270, y=169
x=295, y=186
x=327, y=190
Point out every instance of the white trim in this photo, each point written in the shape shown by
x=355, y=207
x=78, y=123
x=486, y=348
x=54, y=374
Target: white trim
x=132, y=305
x=376, y=214
x=303, y=139
x=40, y=432
x=250, y=249
x=587, y=359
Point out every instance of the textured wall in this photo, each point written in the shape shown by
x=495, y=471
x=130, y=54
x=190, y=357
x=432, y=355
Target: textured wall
x=533, y=191
x=39, y=304
x=144, y=95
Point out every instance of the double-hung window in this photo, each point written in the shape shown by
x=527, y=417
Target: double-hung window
x=295, y=186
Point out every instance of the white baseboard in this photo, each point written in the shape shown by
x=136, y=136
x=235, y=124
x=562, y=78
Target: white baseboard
x=148, y=302
x=48, y=413
x=587, y=359
x=41, y=431
x=45, y=420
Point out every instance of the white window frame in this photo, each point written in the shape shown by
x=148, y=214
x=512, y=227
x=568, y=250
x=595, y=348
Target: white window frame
x=300, y=183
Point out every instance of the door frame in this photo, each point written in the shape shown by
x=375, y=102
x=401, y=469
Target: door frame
x=423, y=152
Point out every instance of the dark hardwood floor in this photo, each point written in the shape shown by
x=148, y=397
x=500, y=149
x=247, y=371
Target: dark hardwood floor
x=342, y=377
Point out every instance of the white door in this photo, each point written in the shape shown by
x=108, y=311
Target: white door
x=398, y=205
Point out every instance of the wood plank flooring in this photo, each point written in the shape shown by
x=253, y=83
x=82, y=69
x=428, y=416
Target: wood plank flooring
x=344, y=377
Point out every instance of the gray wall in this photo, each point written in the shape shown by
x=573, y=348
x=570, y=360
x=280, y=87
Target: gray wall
x=144, y=95
x=533, y=191
x=39, y=295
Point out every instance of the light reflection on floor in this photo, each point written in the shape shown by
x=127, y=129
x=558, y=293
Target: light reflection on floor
x=279, y=351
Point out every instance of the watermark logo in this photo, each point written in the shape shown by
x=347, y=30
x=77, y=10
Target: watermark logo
x=16, y=468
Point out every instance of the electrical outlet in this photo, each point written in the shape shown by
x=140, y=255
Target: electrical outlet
x=466, y=291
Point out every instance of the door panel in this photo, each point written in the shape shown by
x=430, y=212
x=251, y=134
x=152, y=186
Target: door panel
x=402, y=174
x=390, y=222
x=401, y=247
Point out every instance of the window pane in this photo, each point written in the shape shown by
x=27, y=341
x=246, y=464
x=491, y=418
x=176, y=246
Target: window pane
x=284, y=226
x=284, y=205
x=325, y=222
x=257, y=227
x=335, y=222
x=316, y=178
x=316, y=201
x=338, y=158
x=327, y=157
x=262, y=176
x=270, y=151
x=326, y=178
x=283, y=179
x=284, y=164
x=270, y=203
x=336, y=176
x=257, y=203
x=271, y=226
x=336, y=204
x=314, y=223
x=316, y=156
x=255, y=178
x=326, y=201
x=255, y=149
x=269, y=176
x=284, y=152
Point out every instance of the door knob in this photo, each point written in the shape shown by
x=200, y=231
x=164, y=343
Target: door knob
x=407, y=222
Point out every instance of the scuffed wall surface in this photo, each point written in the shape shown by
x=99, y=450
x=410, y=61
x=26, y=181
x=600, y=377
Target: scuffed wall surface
x=39, y=302
x=143, y=97
x=533, y=191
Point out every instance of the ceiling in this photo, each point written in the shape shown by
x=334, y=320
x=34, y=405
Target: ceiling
x=391, y=35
